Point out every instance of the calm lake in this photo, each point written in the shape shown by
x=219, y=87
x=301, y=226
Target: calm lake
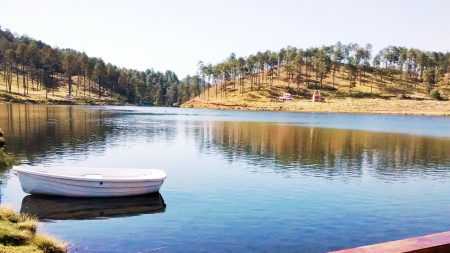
x=237, y=181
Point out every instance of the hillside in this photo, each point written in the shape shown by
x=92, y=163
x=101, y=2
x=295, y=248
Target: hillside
x=58, y=95
x=30, y=64
x=367, y=93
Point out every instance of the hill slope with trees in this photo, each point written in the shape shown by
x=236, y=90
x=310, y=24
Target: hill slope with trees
x=31, y=70
x=399, y=74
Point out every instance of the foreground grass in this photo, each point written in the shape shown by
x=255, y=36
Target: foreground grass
x=18, y=234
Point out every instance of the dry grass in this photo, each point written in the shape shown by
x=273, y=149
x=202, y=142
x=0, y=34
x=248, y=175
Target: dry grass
x=348, y=105
x=18, y=234
x=12, y=235
x=8, y=214
x=19, y=249
x=49, y=245
x=368, y=96
x=27, y=223
x=59, y=95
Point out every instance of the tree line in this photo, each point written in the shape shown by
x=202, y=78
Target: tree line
x=312, y=65
x=32, y=64
x=36, y=65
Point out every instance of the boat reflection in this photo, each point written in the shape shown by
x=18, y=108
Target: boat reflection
x=66, y=208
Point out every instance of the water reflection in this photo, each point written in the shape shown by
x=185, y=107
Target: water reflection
x=64, y=208
x=38, y=133
x=327, y=151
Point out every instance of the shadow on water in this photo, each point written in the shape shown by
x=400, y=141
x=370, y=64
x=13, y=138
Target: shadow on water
x=64, y=208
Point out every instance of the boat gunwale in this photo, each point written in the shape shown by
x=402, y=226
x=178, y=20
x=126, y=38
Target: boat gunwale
x=80, y=178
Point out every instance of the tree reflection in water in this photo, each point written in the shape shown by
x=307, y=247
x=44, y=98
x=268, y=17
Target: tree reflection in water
x=327, y=152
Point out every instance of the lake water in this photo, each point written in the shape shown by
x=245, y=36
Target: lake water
x=237, y=181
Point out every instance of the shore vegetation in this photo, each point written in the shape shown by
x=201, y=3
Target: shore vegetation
x=18, y=234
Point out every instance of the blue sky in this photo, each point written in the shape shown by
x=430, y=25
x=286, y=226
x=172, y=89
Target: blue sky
x=177, y=34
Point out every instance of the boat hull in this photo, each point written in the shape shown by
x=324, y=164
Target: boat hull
x=48, y=185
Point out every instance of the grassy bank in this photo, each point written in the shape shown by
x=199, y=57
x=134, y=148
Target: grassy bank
x=30, y=99
x=18, y=234
x=345, y=105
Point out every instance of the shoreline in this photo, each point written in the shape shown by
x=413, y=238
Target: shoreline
x=7, y=98
x=334, y=105
x=19, y=233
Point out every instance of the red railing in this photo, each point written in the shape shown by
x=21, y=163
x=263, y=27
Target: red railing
x=434, y=243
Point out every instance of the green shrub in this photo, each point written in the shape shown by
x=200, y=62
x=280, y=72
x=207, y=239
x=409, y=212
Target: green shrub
x=313, y=85
x=436, y=94
x=6, y=161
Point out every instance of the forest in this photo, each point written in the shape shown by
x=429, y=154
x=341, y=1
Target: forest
x=26, y=63
x=393, y=71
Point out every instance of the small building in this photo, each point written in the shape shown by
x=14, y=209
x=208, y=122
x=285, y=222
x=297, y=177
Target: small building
x=317, y=97
x=286, y=97
x=70, y=97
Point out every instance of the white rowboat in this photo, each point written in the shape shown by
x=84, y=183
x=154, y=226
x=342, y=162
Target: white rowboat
x=89, y=182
